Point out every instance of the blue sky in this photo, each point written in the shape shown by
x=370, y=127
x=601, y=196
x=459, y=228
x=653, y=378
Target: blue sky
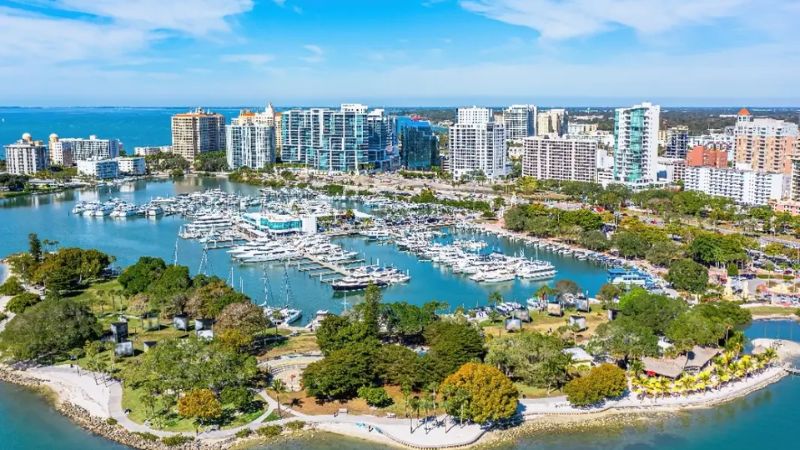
x=398, y=52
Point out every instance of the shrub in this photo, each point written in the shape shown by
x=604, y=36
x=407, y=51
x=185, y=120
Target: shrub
x=149, y=437
x=243, y=433
x=270, y=431
x=176, y=440
x=603, y=382
x=111, y=421
x=21, y=302
x=3, y=316
x=12, y=287
x=375, y=396
x=296, y=425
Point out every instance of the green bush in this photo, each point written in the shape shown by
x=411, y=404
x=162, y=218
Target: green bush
x=111, y=421
x=21, y=302
x=603, y=382
x=270, y=431
x=296, y=425
x=12, y=287
x=375, y=396
x=3, y=317
x=243, y=433
x=150, y=437
x=176, y=440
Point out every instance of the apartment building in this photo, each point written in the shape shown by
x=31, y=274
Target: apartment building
x=477, y=145
x=700, y=156
x=552, y=122
x=104, y=169
x=636, y=144
x=131, y=165
x=419, y=144
x=677, y=142
x=26, y=156
x=250, y=140
x=196, y=132
x=765, y=144
x=560, y=159
x=61, y=153
x=519, y=121
x=742, y=185
x=92, y=148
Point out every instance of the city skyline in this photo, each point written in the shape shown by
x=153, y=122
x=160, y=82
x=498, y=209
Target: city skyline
x=571, y=53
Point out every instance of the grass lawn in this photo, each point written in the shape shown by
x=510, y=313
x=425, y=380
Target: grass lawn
x=309, y=405
x=543, y=323
x=772, y=310
x=526, y=391
x=303, y=343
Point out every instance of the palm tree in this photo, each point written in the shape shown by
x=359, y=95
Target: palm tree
x=415, y=405
x=280, y=388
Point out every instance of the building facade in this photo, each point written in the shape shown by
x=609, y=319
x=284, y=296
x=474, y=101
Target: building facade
x=765, y=144
x=344, y=140
x=250, y=141
x=477, y=145
x=419, y=144
x=152, y=150
x=700, y=156
x=92, y=148
x=131, y=165
x=196, y=132
x=677, y=142
x=519, y=121
x=581, y=128
x=636, y=144
x=552, y=121
x=743, y=186
x=26, y=156
x=560, y=159
x=61, y=153
x=105, y=169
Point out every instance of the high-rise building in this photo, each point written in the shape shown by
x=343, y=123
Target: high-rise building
x=92, y=149
x=131, y=165
x=250, y=140
x=700, y=156
x=636, y=144
x=765, y=144
x=519, y=121
x=348, y=139
x=196, y=132
x=102, y=169
x=477, y=145
x=61, y=153
x=419, y=145
x=26, y=156
x=553, y=121
x=741, y=185
x=581, y=128
x=152, y=150
x=560, y=159
x=677, y=142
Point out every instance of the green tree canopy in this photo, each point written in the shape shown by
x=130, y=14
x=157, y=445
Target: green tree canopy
x=137, y=278
x=602, y=382
x=489, y=395
x=687, y=275
x=451, y=345
x=534, y=358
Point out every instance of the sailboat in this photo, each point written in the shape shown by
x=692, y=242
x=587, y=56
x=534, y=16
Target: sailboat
x=280, y=315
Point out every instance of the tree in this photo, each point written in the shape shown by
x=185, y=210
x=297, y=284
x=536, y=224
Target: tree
x=279, y=387
x=35, y=247
x=567, y=287
x=341, y=373
x=11, y=287
x=603, y=382
x=375, y=396
x=490, y=395
x=239, y=323
x=237, y=396
x=594, y=240
x=663, y=253
x=23, y=265
x=136, y=278
x=451, y=344
x=337, y=332
x=370, y=310
x=399, y=366
x=608, y=292
x=534, y=358
x=630, y=244
x=687, y=275
x=21, y=302
x=47, y=329
x=201, y=405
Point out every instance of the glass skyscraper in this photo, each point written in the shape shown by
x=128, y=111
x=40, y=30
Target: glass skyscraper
x=419, y=145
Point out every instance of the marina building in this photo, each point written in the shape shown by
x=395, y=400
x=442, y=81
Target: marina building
x=419, y=145
x=61, y=153
x=519, y=121
x=131, y=165
x=764, y=144
x=281, y=223
x=677, y=142
x=196, y=132
x=636, y=144
x=741, y=184
x=105, y=169
x=552, y=121
x=344, y=140
x=701, y=156
x=92, y=148
x=560, y=159
x=26, y=156
x=251, y=140
x=477, y=145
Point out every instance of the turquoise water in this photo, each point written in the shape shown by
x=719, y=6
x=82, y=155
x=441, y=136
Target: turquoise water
x=49, y=216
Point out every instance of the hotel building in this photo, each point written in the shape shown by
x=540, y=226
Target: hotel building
x=477, y=145
x=742, y=185
x=560, y=159
x=196, y=132
x=251, y=140
x=765, y=144
x=636, y=144
x=26, y=156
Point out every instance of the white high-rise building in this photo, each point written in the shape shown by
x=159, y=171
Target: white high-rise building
x=250, y=141
x=102, y=169
x=61, y=153
x=477, y=145
x=92, y=148
x=552, y=122
x=743, y=186
x=519, y=121
x=560, y=159
x=636, y=144
x=26, y=156
x=131, y=165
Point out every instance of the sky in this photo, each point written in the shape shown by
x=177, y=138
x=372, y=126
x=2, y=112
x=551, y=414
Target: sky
x=399, y=52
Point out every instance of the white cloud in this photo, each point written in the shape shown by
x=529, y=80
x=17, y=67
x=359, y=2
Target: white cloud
x=565, y=19
x=316, y=54
x=255, y=59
